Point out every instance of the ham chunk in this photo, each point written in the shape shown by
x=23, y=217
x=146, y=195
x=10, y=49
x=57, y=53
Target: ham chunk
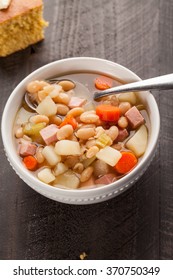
x=122, y=135
x=27, y=149
x=134, y=117
x=106, y=179
x=76, y=102
x=49, y=133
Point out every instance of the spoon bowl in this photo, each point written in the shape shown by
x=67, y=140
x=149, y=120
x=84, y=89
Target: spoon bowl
x=81, y=90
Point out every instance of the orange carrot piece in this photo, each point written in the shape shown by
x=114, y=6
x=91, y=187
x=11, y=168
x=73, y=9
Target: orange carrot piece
x=108, y=112
x=30, y=162
x=103, y=82
x=126, y=163
x=69, y=120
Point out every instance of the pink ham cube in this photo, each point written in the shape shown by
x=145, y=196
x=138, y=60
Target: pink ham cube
x=134, y=117
x=122, y=135
x=49, y=133
x=76, y=102
x=27, y=149
x=106, y=179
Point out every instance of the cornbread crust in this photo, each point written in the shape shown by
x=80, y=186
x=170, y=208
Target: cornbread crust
x=21, y=25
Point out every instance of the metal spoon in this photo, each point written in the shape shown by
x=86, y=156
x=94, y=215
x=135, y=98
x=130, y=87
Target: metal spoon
x=160, y=82
x=30, y=103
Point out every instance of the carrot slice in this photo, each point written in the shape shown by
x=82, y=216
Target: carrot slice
x=30, y=162
x=108, y=112
x=103, y=82
x=126, y=163
x=69, y=120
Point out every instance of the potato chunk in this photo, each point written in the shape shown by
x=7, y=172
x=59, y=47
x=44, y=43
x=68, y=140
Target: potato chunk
x=138, y=142
x=67, y=148
x=109, y=155
x=45, y=175
x=50, y=155
x=67, y=180
x=127, y=96
x=47, y=107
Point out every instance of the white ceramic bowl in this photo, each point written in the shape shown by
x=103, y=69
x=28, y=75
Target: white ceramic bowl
x=85, y=196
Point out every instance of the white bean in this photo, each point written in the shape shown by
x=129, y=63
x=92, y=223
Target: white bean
x=39, y=119
x=63, y=98
x=90, y=143
x=75, y=112
x=89, y=118
x=62, y=109
x=92, y=151
x=19, y=132
x=82, y=125
x=86, y=174
x=64, y=132
x=78, y=167
x=123, y=122
x=39, y=156
x=124, y=107
x=67, y=85
x=35, y=86
x=99, y=130
x=55, y=120
x=112, y=132
x=85, y=133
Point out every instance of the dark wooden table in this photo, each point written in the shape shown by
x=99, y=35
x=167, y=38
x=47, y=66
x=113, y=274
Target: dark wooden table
x=137, y=224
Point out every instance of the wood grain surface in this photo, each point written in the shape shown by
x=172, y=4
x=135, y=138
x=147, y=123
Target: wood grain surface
x=138, y=224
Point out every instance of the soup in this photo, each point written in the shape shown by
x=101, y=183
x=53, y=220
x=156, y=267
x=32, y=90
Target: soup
x=71, y=141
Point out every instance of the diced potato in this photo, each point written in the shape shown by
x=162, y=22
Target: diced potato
x=109, y=155
x=47, y=107
x=67, y=148
x=45, y=175
x=60, y=168
x=138, y=142
x=67, y=180
x=127, y=97
x=50, y=155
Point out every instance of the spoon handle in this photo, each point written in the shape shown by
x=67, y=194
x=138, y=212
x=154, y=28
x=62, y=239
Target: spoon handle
x=161, y=82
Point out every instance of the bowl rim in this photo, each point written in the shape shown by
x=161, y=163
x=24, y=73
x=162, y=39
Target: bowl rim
x=92, y=191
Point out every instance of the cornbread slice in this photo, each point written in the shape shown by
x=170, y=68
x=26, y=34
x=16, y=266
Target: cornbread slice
x=21, y=25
